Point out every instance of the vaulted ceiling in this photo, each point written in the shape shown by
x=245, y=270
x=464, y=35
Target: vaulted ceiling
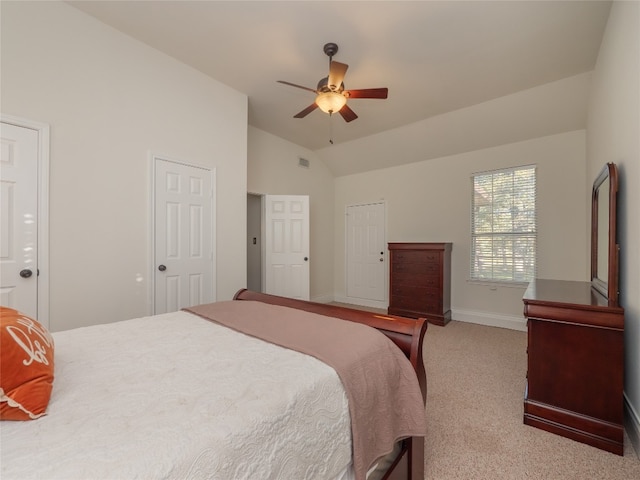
x=434, y=56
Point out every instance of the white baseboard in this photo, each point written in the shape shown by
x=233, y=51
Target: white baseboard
x=326, y=298
x=482, y=318
x=490, y=319
x=360, y=301
x=632, y=424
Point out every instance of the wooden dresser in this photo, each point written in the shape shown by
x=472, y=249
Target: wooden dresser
x=420, y=284
x=574, y=363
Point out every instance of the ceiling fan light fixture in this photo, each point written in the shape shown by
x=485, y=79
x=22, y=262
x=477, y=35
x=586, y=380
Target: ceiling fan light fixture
x=331, y=97
x=331, y=102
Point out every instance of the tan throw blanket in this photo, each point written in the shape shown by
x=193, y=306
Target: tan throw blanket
x=385, y=402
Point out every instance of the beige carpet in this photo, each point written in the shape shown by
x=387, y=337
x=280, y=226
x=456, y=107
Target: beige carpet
x=475, y=382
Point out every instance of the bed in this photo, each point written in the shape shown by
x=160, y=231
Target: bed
x=210, y=392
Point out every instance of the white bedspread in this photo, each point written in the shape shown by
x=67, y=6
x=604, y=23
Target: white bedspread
x=181, y=398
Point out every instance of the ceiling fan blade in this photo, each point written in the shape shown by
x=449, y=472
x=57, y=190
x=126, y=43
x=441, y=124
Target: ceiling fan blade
x=368, y=93
x=297, y=86
x=337, y=71
x=306, y=111
x=348, y=114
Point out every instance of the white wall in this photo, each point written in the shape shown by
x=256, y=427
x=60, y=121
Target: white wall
x=613, y=135
x=110, y=101
x=273, y=169
x=430, y=201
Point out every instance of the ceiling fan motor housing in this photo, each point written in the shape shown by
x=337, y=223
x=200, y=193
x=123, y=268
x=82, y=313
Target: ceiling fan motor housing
x=323, y=86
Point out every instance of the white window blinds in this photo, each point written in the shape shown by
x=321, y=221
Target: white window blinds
x=503, y=225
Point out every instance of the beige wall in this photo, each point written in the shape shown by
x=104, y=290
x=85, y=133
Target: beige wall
x=613, y=135
x=273, y=169
x=544, y=110
x=430, y=202
x=110, y=101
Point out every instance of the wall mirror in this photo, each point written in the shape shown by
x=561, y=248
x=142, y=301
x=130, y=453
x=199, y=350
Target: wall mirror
x=604, y=246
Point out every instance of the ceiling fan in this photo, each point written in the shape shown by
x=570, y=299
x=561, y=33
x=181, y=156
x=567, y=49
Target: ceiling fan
x=331, y=96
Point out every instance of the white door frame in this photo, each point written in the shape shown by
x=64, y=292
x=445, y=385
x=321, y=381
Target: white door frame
x=43, y=130
x=152, y=226
x=359, y=301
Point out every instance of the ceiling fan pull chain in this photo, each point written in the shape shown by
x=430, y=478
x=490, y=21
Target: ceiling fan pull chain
x=330, y=128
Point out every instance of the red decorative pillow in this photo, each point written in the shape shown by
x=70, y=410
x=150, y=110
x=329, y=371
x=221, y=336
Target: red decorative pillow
x=26, y=366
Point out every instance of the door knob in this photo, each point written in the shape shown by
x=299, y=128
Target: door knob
x=26, y=273
x=306, y=259
x=162, y=268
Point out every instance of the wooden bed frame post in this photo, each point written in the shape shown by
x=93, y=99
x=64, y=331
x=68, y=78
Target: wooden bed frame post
x=416, y=458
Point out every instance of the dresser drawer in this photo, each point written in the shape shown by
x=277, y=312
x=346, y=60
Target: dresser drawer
x=419, y=303
x=413, y=268
x=416, y=279
x=408, y=290
x=416, y=256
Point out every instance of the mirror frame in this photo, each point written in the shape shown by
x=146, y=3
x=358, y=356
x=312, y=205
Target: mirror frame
x=608, y=288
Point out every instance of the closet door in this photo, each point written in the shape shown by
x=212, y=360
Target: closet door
x=366, y=252
x=19, y=217
x=183, y=244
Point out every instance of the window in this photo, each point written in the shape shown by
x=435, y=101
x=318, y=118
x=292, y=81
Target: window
x=503, y=225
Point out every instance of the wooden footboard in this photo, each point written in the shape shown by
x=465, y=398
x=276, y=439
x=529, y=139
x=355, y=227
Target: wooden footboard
x=407, y=334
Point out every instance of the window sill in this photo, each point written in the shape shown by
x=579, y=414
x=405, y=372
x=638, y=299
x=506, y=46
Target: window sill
x=494, y=283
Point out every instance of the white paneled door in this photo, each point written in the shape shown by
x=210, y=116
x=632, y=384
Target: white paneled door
x=286, y=255
x=183, y=230
x=19, y=217
x=366, y=252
